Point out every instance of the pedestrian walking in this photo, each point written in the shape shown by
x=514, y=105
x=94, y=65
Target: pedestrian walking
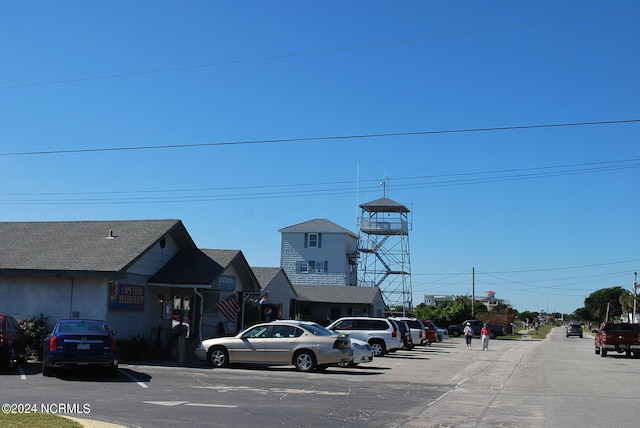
x=468, y=335
x=485, y=333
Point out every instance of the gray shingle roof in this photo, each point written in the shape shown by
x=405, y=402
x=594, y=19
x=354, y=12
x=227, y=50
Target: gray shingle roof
x=266, y=274
x=336, y=294
x=198, y=267
x=317, y=226
x=385, y=205
x=81, y=245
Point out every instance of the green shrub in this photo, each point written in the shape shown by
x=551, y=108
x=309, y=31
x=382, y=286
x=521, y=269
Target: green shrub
x=34, y=330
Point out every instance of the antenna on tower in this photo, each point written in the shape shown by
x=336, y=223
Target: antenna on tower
x=357, y=190
x=384, y=183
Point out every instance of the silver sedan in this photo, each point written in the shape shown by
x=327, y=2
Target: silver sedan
x=296, y=343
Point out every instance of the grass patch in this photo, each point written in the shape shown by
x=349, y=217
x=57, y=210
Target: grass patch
x=40, y=420
x=541, y=332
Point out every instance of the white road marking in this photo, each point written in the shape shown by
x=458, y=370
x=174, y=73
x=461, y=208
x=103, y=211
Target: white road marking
x=223, y=388
x=166, y=403
x=448, y=392
x=186, y=403
x=210, y=405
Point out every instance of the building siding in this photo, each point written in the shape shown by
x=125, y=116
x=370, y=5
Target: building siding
x=334, y=249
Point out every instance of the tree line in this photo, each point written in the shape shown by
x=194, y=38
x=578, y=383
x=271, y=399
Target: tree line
x=614, y=303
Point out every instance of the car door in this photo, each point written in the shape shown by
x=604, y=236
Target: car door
x=281, y=343
x=250, y=347
x=12, y=331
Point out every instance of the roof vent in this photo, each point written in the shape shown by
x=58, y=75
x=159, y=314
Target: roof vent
x=111, y=235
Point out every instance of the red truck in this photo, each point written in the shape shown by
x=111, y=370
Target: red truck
x=619, y=337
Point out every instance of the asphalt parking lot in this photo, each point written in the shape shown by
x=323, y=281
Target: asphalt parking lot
x=381, y=393
x=395, y=390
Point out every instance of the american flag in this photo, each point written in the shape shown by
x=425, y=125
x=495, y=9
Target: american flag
x=229, y=307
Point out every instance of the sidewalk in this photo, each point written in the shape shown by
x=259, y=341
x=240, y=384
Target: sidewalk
x=525, y=334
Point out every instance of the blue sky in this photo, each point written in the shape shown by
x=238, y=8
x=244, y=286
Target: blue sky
x=242, y=118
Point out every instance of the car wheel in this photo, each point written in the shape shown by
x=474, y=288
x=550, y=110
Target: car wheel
x=455, y=333
x=378, y=348
x=492, y=335
x=47, y=370
x=304, y=361
x=218, y=357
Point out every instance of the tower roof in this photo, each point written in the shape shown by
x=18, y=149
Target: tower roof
x=384, y=205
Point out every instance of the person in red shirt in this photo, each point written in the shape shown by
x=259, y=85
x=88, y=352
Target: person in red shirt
x=484, y=334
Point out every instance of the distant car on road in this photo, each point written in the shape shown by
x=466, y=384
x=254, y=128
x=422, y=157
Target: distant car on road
x=12, y=341
x=80, y=343
x=296, y=343
x=574, y=330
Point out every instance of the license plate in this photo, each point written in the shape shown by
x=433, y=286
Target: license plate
x=84, y=346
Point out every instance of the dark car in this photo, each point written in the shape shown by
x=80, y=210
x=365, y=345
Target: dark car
x=405, y=333
x=574, y=330
x=80, y=343
x=12, y=341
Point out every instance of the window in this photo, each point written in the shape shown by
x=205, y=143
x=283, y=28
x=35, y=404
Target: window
x=312, y=240
x=286, y=331
x=318, y=266
x=303, y=267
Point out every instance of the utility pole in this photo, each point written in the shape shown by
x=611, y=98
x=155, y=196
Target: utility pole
x=635, y=296
x=473, y=292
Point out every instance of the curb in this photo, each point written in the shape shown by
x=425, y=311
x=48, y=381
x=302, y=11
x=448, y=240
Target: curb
x=89, y=423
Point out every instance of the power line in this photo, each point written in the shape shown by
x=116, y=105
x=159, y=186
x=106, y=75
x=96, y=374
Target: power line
x=311, y=53
x=303, y=189
x=326, y=138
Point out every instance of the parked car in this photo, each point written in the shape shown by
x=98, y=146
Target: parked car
x=80, y=343
x=574, y=330
x=405, y=333
x=12, y=342
x=619, y=337
x=443, y=334
x=301, y=344
x=432, y=332
x=382, y=334
x=418, y=330
x=362, y=351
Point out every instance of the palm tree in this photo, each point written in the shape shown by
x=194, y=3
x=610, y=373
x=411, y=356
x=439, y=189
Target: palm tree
x=626, y=300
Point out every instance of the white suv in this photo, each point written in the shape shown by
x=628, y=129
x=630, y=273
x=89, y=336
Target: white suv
x=381, y=333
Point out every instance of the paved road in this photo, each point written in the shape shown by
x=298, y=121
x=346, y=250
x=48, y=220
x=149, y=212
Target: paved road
x=556, y=382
